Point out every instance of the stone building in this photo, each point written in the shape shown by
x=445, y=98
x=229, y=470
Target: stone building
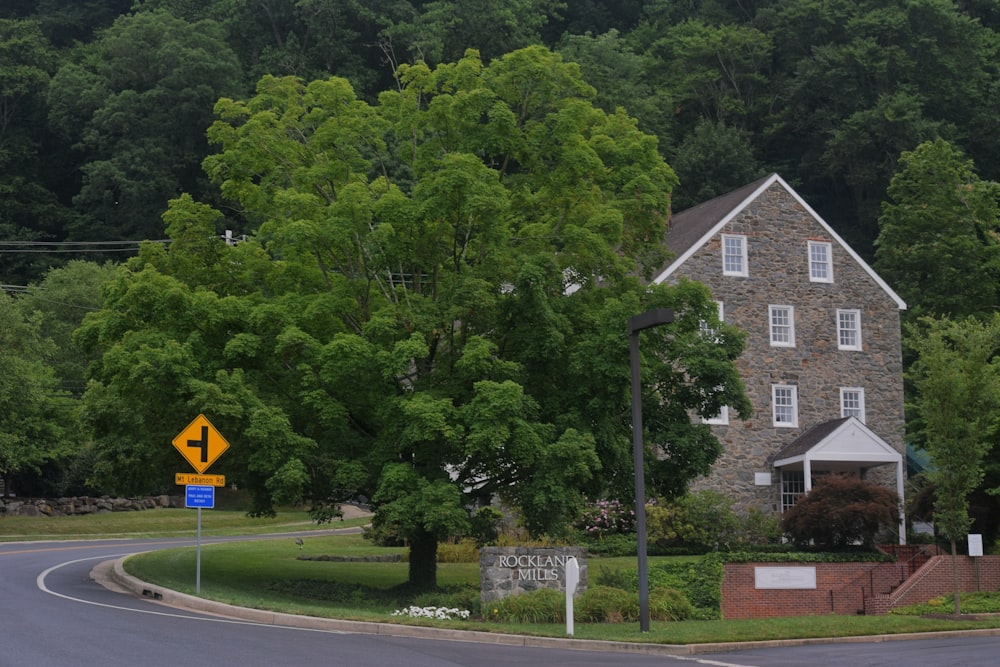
x=822, y=364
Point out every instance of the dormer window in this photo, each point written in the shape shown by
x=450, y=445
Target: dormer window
x=820, y=262
x=734, y=255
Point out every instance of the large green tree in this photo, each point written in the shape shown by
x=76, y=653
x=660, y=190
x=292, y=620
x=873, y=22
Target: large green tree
x=938, y=243
x=432, y=312
x=954, y=412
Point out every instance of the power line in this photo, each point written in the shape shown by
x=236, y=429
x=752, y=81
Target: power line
x=79, y=243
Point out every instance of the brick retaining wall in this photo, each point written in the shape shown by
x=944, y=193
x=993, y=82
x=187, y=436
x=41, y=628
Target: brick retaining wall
x=852, y=588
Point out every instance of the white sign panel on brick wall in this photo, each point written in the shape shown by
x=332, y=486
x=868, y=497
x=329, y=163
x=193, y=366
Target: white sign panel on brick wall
x=785, y=577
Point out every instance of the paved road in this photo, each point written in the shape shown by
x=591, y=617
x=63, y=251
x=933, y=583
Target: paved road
x=54, y=615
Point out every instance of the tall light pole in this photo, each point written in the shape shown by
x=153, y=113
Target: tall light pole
x=647, y=320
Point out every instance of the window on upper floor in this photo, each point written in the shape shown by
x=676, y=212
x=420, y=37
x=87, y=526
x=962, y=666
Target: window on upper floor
x=820, y=262
x=784, y=405
x=720, y=419
x=848, y=329
x=852, y=402
x=734, y=255
x=782, y=322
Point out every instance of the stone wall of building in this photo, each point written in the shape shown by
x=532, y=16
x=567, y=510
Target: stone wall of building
x=777, y=228
x=513, y=570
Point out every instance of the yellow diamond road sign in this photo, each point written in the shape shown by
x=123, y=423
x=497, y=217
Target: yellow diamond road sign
x=200, y=443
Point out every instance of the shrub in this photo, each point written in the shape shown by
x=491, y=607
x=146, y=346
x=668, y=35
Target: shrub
x=759, y=528
x=545, y=605
x=697, y=522
x=610, y=545
x=462, y=551
x=606, y=517
x=841, y=511
x=604, y=604
x=669, y=604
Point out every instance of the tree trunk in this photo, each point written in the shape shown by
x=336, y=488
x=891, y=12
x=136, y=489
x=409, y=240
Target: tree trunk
x=423, y=561
x=954, y=577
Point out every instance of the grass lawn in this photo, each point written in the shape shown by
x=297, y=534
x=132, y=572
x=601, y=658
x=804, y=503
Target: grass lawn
x=163, y=522
x=269, y=575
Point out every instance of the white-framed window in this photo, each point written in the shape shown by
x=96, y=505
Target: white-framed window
x=734, y=255
x=848, y=329
x=720, y=419
x=706, y=328
x=820, y=262
x=782, y=322
x=852, y=402
x=793, y=487
x=785, y=405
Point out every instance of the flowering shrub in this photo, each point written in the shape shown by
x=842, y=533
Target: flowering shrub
x=440, y=613
x=606, y=517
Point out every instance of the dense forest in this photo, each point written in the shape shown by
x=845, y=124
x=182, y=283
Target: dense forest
x=548, y=136
x=104, y=104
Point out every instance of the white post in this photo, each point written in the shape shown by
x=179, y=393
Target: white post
x=572, y=579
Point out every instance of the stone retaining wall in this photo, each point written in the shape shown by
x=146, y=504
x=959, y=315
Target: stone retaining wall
x=82, y=505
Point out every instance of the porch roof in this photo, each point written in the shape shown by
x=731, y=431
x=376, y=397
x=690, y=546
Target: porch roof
x=843, y=443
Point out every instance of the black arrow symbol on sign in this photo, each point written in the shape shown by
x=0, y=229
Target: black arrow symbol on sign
x=203, y=444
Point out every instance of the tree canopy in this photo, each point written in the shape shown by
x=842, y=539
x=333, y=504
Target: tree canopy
x=432, y=312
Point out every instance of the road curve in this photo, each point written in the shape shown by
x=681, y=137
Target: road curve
x=57, y=616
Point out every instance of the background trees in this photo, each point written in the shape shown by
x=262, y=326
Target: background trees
x=938, y=242
x=134, y=106
x=34, y=413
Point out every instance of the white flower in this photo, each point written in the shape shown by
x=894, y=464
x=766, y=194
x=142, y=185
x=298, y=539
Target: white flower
x=443, y=613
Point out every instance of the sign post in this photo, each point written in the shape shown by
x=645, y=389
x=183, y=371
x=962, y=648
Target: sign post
x=572, y=580
x=201, y=445
x=976, y=550
x=199, y=496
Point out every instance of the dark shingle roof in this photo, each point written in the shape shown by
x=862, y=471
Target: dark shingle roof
x=809, y=439
x=688, y=226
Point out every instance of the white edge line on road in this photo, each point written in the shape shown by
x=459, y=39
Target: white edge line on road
x=40, y=582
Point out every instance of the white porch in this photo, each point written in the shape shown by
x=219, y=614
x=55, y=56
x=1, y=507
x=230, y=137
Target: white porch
x=843, y=445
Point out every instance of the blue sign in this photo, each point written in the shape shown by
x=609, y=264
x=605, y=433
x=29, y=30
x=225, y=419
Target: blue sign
x=199, y=496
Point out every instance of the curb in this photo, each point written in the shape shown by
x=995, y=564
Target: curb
x=111, y=574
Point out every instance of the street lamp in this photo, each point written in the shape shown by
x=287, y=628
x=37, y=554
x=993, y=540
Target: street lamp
x=647, y=320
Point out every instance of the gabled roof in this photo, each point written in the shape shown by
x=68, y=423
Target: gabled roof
x=845, y=440
x=692, y=228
